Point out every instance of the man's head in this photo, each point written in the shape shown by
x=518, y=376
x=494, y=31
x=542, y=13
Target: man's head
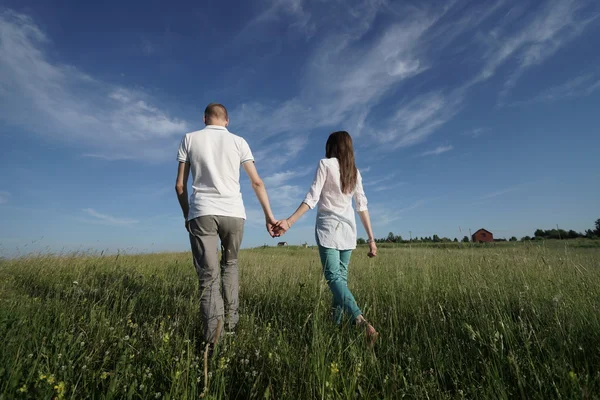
x=216, y=114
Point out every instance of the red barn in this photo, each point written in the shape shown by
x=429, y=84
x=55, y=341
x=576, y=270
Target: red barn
x=482, y=236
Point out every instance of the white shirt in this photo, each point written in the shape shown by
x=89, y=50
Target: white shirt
x=336, y=225
x=215, y=156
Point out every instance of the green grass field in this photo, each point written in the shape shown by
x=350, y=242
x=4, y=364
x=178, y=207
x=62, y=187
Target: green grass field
x=519, y=321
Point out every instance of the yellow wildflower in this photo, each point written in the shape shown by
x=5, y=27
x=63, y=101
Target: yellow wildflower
x=23, y=389
x=334, y=368
x=60, y=390
x=51, y=379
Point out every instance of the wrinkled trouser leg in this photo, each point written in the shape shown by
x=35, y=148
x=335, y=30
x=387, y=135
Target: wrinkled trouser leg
x=212, y=275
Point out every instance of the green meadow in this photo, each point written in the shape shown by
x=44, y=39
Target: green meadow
x=519, y=321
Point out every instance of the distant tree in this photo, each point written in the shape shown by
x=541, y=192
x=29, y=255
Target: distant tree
x=361, y=241
x=597, y=232
x=513, y=239
x=436, y=239
x=465, y=239
x=455, y=240
x=539, y=233
x=573, y=235
x=391, y=237
x=589, y=234
x=525, y=238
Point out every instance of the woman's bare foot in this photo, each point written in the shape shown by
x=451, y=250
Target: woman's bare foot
x=371, y=335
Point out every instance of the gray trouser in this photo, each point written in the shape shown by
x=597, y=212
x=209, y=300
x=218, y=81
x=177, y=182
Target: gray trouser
x=204, y=238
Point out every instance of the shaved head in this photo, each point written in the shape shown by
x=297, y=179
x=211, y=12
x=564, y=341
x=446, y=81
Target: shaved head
x=215, y=112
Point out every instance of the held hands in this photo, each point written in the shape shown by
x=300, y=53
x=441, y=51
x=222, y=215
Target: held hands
x=282, y=227
x=277, y=228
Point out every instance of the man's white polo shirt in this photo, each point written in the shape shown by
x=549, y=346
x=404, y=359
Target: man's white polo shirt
x=215, y=156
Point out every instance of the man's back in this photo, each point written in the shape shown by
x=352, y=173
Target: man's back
x=215, y=156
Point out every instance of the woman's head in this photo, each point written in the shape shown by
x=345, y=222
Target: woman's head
x=339, y=145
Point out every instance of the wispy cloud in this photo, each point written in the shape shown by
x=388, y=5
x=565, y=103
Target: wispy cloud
x=579, y=86
x=107, y=219
x=414, y=121
x=66, y=103
x=385, y=188
x=282, y=11
x=385, y=214
x=279, y=178
x=475, y=132
x=274, y=154
x=498, y=193
x=4, y=197
x=552, y=25
x=377, y=181
x=147, y=47
x=437, y=151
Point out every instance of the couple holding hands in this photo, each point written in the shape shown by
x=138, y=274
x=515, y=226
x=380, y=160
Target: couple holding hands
x=215, y=211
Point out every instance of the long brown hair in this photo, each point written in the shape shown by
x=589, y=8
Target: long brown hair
x=339, y=145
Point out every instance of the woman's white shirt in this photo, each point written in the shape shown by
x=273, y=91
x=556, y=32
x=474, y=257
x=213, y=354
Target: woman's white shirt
x=336, y=223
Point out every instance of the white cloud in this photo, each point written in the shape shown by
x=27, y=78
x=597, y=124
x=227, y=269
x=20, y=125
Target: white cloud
x=344, y=78
x=63, y=102
x=274, y=154
x=294, y=9
x=286, y=197
x=147, y=47
x=385, y=188
x=279, y=178
x=384, y=214
x=377, y=181
x=4, y=197
x=476, y=132
x=437, y=151
x=107, y=219
x=579, y=86
x=414, y=121
x=553, y=24
x=498, y=193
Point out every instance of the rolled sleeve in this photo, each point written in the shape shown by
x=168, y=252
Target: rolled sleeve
x=314, y=194
x=182, y=154
x=360, y=199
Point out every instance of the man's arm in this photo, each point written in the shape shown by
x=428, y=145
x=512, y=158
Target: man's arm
x=183, y=172
x=261, y=194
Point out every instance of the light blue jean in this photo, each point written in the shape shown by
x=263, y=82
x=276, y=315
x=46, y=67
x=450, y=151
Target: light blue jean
x=335, y=268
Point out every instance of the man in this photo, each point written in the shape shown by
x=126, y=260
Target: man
x=216, y=211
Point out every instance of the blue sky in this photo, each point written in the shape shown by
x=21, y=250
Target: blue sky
x=464, y=114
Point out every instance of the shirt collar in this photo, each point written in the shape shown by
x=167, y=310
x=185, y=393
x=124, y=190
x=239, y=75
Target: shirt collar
x=223, y=128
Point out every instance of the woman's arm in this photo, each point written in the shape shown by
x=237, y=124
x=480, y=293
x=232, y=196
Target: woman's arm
x=366, y=221
x=311, y=200
x=287, y=223
x=361, y=207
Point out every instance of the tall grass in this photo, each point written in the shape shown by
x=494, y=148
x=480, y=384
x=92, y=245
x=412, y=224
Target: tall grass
x=509, y=322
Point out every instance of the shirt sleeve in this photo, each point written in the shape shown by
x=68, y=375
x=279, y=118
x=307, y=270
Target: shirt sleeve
x=314, y=194
x=360, y=199
x=245, y=152
x=182, y=154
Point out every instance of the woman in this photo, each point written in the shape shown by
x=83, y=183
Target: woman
x=336, y=182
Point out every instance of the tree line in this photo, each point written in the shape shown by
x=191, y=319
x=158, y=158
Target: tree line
x=539, y=234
